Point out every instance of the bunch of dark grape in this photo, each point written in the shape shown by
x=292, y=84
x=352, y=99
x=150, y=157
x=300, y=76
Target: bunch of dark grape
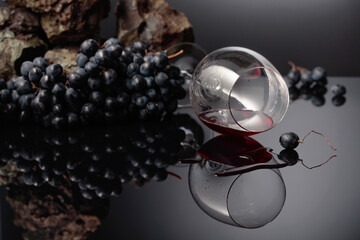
x=310, y=85
x=36, y=95
x=98, y=160
x=124, y=83
x=110, y=84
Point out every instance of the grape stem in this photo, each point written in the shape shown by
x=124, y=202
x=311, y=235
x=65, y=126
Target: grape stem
x=312, y=131
x=174, y=175
x=302, y=162
x=149, y=53
x=292, y=64
x=176, y=54
x=294, y=67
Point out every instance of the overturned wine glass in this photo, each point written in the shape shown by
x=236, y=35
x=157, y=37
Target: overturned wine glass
x=235, y=90
x=248, y=200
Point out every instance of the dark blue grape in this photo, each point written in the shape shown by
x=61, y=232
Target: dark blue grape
x=58, y=109
x=102, y=57
x=25, y=101
x=126, y=56
x=138, y=59
x=138, y=83
x=3, y=84
x=160, y=174
x=318, y=89
x=72, y=119
x=41, y=63
x=92, y=68
x=58, y=90
x=10, y=84
x=110, y=42
x=141, y=101
x=110, y=77
x=305, y=92
x=151, y=93
x=81, y=60
x=338, y=100
x=147, y=68
x=47, y=82
x=97, y=98
x=293, y=77
x=289, y=140
x=72, y=97
x=89, y=47
x=147, y=172
x=38, y=107
x=140, y=46
x=15, y=96
x=132, y=69
x=44, y=95
x=5, y=96
x=161, y=79
x=110, y=104
x=161, y=59
x=103, y=192
x=23, y=86
x=114, y=50
x=88, y=110
x=290, y=156
x=149, y=58
x=54, y=70
x=81, y=71
x=75, y=80
x=26, y=67
x=173, y=72
x=294, y=93
x=58, y=122
x=123, y=99
x=94, y=83
x=338, y=89
x=35, y=75
x=306, y=77
x=318, y=73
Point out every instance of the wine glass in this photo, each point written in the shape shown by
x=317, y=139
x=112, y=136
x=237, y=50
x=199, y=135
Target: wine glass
x=236, y=90
x=249, y=200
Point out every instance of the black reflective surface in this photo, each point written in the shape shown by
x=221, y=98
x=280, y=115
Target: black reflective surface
x=321, y=203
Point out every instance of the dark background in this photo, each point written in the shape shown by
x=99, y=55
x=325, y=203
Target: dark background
x=308, y=32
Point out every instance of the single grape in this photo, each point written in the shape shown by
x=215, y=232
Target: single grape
x=318, y=73
x=338, y=89
x=161, y=59
x=293, y=77
x=290, y=156
x=47, y=82
x=318, y=100
x=41, y=63
x=289, y=140
x=338, y=100
x=54, y=70
x=102, y=57
x=26, y=67
x=161, y=79
x=89, y=47
x=35, y=75
x=81, y=60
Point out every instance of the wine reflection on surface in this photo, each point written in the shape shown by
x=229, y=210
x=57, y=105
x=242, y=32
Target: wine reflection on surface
x=239, y=184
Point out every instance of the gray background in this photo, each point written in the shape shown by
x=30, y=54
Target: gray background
x=311, y=33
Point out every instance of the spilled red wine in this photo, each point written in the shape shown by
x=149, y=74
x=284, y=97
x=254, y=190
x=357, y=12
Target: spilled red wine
x=235, y=151
x=247, y=122
x=239, y=154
